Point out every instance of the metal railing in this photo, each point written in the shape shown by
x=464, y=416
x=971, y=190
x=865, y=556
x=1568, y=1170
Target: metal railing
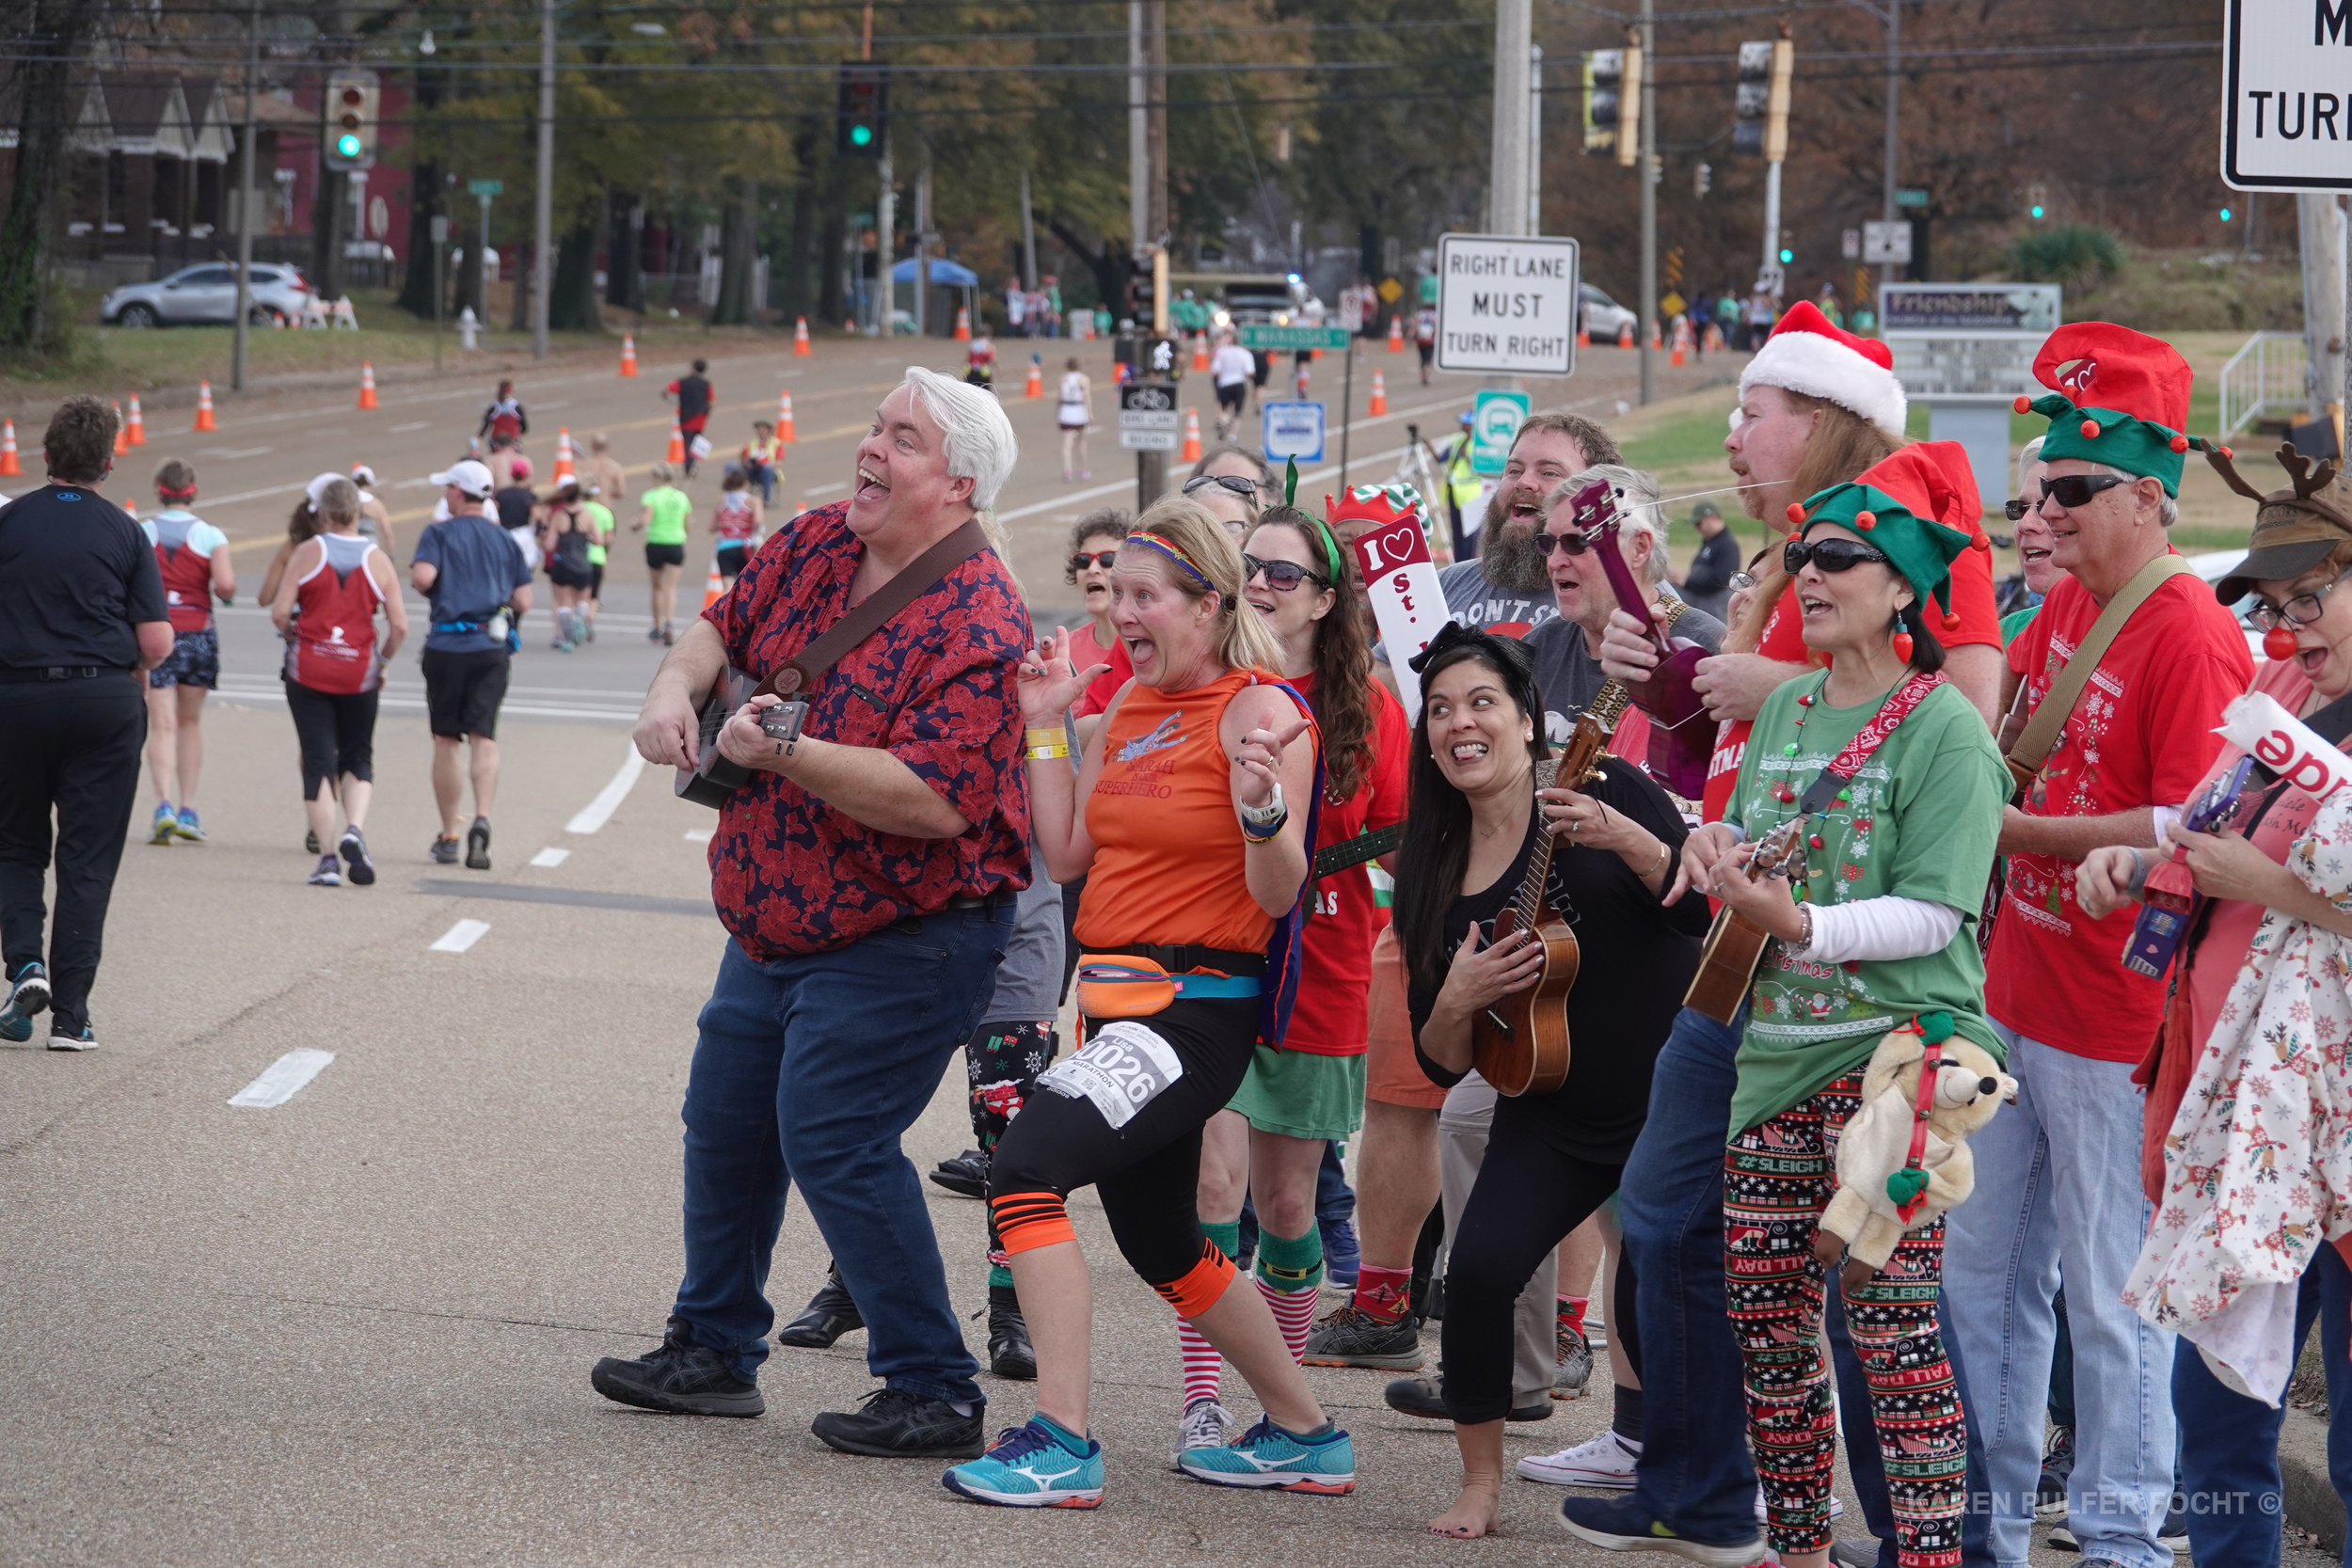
x=2271, y=372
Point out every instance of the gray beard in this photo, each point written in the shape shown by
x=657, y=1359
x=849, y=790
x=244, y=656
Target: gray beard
x=1511, y=558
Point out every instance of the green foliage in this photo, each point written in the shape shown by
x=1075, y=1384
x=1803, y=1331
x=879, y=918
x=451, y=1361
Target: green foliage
x=2074, y=254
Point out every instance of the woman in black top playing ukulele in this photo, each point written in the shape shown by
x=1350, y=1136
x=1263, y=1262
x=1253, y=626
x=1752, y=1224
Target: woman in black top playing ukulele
x=1553, y=1158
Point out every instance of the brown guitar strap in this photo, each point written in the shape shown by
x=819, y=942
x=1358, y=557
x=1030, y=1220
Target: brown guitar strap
x=865, y=618
x=2041, y=731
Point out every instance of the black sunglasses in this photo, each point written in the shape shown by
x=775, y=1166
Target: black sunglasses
x=2017, y=506
x=2073, y=490
x=1245, y=488
x=1830, y=555
x=1566, y=544
x=1283, y=576
x=1105, y=558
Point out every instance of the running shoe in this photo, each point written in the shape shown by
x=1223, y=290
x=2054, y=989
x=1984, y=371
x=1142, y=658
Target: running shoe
x=1266, y=1456
x=1572, y=1364
x=1203, y=1427
x=892, y=1424
x=653, y=633
x=478, y=845
x=2062, y=1539
x=328, y=873
x=354, y=849
x=677, y=1377
x=444, y=850
x=1037, y=1464
x=1351, y=1336
x=2172, y=1535
x=1621, y=1525
x=167, y=823
x=27, y=998
x=186, y=826
x=63, y=1039
x=2058, y=1465
x=1343, y=1257
x=1607, y=1460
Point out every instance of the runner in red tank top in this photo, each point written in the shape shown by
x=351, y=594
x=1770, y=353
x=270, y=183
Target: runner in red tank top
x=193, y=556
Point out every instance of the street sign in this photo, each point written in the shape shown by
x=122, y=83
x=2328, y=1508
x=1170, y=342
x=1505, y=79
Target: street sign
x=2282, y=81
x=2028, y=309
x=1506, y=306
x=1294, y=430
x=1886, y=244
x=486, y=187
x=1268, y=335
x=1910, y=195
x=1851, y=248
x=1965, y=350
x=1148, y=418
x=441, y=229
x=1495, y=418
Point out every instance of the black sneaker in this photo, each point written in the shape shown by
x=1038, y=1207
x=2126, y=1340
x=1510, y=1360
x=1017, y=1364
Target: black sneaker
x=1352, y=1336
x=1421, y=1395
x=2058, y=1465
x=966, y=1174
x=894, y=1424
x=311, y=842
x=444, y=850
x=680, y=1377
x=829, y=1315
x=354, y=849
x=1572, y=1367
x=1008, y=1351
x=478, y=845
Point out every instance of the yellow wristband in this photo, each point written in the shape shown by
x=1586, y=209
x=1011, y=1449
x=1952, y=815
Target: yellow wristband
x=1054, y=737
x=1046, y=753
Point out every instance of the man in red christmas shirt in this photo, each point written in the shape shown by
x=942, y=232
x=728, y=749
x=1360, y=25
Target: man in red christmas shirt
x=2057, y=1177
x=867, y=878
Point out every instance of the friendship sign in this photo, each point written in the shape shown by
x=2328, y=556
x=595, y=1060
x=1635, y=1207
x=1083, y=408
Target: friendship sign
x=1406, y=603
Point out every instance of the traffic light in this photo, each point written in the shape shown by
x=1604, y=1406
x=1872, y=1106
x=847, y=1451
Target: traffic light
x=1604, y=77
x=1138, y=305
x=351, y=114
x=862, y=122
x=1702, y=178
x=1672, y=272
x=1630, y=108
x=1760, y=123
x=1786, y=255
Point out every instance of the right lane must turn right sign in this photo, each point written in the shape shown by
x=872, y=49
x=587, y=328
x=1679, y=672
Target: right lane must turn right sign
x=2286, y=95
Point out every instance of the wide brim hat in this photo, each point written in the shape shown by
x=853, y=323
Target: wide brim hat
x=2294, y=529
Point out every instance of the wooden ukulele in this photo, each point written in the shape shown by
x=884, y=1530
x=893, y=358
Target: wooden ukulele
x=1520, y=1043
x=1681, y=738
x=1735, y=943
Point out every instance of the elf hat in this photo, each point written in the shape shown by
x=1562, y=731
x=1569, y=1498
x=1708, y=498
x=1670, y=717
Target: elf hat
x=1906, y=505
x=1807, y=354
x=2120, y=398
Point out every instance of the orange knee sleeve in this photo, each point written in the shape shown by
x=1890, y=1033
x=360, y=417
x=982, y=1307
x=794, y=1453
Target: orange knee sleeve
x=1027, y=1221
x=1201, y=1285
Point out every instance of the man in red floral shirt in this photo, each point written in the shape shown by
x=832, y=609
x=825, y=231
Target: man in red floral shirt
x=867, y=879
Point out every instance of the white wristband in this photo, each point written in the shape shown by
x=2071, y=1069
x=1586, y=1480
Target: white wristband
x=1271, y=811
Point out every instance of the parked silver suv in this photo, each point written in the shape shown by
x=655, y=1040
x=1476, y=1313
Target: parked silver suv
x=207, y=293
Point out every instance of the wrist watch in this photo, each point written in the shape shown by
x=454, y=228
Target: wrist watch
x=1271, y=811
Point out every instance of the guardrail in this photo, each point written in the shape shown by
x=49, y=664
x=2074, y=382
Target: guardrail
x=2272, y=371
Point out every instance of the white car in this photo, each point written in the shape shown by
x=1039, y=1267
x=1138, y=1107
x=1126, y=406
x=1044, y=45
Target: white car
x=2212, y=566
x=207, y=292
x=1604, y=318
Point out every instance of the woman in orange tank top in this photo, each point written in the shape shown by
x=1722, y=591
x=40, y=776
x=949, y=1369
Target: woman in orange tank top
x=1190, y=816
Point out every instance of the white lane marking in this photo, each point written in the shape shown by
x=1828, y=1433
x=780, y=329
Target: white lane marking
x=698, y=835
x=551, y=857
x=262, y=494
x=597, y=812
x=413, y=424
x=826, y=489
x=283, y=1079
x=460, y=937
x=229, y=453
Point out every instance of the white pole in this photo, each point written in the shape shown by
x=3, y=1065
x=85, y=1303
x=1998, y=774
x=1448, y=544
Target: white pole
x=1536, y=139
x=886, y=242
x=543, y=264
x=1139, y=137
x=1508, y=178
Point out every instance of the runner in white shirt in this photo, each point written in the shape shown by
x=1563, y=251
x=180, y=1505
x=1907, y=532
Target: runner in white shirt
x=1233, y=368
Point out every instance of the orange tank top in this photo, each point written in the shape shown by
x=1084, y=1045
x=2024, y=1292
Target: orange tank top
x=1169, y=858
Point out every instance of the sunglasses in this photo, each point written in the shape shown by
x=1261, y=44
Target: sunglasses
x=1566, y=544
x=1105, y=558
x=2070, y=491
x=1830, y=555
x=1283, y=576
x=1245, y=488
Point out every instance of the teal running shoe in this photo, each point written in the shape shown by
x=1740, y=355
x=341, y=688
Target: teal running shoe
x=1267, y=1456
x=27, y=997
x=166, y=824
x=1041, y=1465
x=187, y=827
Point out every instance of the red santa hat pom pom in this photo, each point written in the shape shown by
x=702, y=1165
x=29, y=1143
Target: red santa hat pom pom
x=2090, y=429
x=1796, y=511
x=1981, y=542
x=1866, y=521
x=2023, y=403
x=2180, y=443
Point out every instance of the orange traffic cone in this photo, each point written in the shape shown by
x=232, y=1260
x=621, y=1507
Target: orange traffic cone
x=799, y=337
x=1315, y=354
x=964, y=324
x=629, y=354
x=367, y=384
x=713, y=588
x=204, y=407
x=10, y=466
x=1396, y=334
x=1682, y=339
x=849, y=327
x=138, y=425
x=1654, y=341
x=564, y=469
x=1379, y=394
x=123, y=440
x=677, y=442
x=1583, y=334
x=1035, y=386
x=1200, y=351
x=1192, y=437
x=1624, y=336
x=784, y=420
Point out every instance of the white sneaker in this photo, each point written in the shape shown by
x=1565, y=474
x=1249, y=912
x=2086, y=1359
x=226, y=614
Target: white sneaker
x=1203, y=1427
x=1607, y=1460
x=1837, y=1509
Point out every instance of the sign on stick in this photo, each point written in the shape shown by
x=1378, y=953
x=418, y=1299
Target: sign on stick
x=1494, y=420
x=1148, y=417
x=1507, y=305
x=2287, y=121
x=1294, y=430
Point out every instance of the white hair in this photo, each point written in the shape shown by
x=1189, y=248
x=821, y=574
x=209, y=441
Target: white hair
x=2026, y=458
x=980, y=439
x=1638, y=505
x=2168, y=508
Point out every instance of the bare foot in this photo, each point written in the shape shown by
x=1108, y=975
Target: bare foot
x=1477, y=1512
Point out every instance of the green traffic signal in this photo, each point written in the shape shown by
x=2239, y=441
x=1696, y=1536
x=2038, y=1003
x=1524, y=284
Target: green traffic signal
x=347, y=144
x=2225, y=214
x=862, y=135
x=1786, y=255
x=2037, y=210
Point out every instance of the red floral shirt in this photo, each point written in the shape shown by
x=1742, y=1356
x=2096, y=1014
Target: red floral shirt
x=792, y=875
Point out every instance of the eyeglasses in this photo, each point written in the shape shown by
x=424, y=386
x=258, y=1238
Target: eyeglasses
x=1830, y=555
x=1566, y=544
x=2301, y=611
x=1245, y=488
x=1739, y=583
x=2073, y=490
x=2017, y=506
x=1283, y=576
x=1105, y=558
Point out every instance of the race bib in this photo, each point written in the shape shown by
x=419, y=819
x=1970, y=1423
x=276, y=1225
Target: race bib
x=1121, y=1069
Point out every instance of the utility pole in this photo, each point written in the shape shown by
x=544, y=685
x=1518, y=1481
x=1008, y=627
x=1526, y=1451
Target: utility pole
x=1649, y=110
x=1138, y=135
x=923, y=243
x=1508, y=178
x=1893, y=98
x=245, y=198
x=2322, y=306
x=1028, y=238
x=1784, y=65
x=542, y=261
x=1147, y=197
x=1536, y=139
x=886, y=242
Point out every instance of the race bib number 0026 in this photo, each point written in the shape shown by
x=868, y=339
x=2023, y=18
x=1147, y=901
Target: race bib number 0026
x=1123, y=1069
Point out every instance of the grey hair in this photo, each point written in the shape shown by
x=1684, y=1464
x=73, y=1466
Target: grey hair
x=2028, y=456
x=980, y=440
x=338, y=500
x=2168, y=508
x=1640, y=509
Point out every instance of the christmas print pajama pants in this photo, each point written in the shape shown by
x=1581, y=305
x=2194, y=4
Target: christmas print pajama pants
x=1002, y=1060
x=1778, y=1177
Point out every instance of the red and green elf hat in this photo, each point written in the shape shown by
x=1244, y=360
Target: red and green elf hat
x=1911, y=506
x=2120, y=399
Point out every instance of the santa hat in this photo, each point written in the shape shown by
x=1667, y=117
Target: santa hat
x=1807, y=354
x=2120, y=398
x=1913, y=506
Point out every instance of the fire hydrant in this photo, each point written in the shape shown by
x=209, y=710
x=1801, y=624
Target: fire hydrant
x=467, y=328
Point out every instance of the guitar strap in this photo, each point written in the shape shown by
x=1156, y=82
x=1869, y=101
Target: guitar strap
x=1847, y=763
x=864, y=619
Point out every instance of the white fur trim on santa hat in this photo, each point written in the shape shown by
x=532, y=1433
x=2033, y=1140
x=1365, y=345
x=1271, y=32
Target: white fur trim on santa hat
x=1823, y=368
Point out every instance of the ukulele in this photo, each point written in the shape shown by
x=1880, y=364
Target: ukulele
x=1682, y=740
x=1735, y=945
x=1520, y=1043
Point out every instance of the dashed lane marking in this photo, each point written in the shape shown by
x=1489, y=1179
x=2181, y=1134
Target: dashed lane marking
x=597, y=812
x=460, y=936
x=551, y=857
x=698, y=835
x=283, y=1079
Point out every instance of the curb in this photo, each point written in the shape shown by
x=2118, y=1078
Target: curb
x=2311, y=1503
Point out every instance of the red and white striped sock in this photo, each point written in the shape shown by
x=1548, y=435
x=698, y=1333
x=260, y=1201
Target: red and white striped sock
x=1293, y=1313
x=1204, y=1370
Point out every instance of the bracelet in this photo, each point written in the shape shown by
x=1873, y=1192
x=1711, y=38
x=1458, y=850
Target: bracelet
x=1047, y=753
x=1804, y=942
x=1044, y=745
x=1269, y=816
x=1045, y=735
x=1664, y=854
x=1263, y=832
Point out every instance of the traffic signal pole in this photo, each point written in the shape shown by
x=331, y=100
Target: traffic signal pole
x=1647, y=108
x=1147, y=197
x=245, y=199
x=543, y=219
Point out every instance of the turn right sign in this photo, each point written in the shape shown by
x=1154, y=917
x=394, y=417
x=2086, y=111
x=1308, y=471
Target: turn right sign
x=2286, y=116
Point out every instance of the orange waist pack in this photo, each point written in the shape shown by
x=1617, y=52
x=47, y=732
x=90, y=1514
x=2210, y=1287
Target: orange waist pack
x=1127, y=985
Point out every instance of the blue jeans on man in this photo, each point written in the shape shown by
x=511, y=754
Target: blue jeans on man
x=2058, y=1187
x=808, y=1070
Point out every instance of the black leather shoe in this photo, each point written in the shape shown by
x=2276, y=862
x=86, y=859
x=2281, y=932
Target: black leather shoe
x=1008, y=1352
x=893, y=1425
x=829, y=1315
x=680, y=1377
x=1421, y=1395
x=966, y=1174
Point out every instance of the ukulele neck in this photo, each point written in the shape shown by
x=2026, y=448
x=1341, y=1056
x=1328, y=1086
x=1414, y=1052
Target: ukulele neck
x=1529, y=904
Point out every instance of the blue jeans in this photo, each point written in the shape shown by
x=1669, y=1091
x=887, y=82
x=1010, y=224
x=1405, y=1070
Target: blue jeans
x=2058, y=1185
x=2230, y=1443
x=808, y=1069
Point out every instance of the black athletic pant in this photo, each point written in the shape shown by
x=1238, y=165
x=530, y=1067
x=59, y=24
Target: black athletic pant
x=70, y=746
x=1528, y=1197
